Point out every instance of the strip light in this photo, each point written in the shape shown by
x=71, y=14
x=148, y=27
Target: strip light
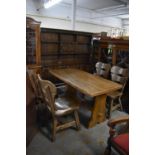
x=50, y=3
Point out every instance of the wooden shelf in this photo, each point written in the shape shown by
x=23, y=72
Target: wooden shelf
x=49, y=42
x=68, y=47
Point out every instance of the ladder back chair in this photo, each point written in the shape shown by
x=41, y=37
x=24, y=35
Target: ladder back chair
x=102, y=69
x=59, y=107
x=119, y=75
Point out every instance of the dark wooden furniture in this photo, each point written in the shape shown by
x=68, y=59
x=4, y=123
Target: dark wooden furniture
x=32, y=98
x=119, y=75
x=88, y=84
x=119, y=140
x=31, y=115
x=114, y=51
x=33, y=53
x=33, y=61
x=63, y=49
x=60, y=106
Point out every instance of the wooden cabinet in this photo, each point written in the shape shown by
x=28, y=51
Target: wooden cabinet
x=33, y=61
x=63, y=48
x=33, y=54
x=114, y=51
x=31, y=114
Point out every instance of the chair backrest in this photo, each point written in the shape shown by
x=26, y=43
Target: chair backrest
x=119, y=71
x=49, y=91
x=120, y=75
x=102, y=69
x=34, y=82
x=98, y=68
x=98, y=64
x=106, y=68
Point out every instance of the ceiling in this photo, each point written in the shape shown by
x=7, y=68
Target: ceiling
x=95, y=4
x=104, y=8
x=107, y=8
x=102, y=12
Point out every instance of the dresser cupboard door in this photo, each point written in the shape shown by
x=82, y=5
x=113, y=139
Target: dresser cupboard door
x=33, y=54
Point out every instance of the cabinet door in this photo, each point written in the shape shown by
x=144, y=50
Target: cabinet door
x=30, y=46
x=32, y=42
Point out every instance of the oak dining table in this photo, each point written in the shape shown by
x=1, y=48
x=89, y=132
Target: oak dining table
x=88, y=84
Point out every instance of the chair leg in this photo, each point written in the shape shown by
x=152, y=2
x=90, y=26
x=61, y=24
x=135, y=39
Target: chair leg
x=54, y=129
x=111, y=107
x=77, y=119
x=108, y=105
x=108, y=148
x=120, y=103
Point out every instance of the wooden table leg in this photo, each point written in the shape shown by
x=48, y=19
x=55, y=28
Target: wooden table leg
x=98, y=111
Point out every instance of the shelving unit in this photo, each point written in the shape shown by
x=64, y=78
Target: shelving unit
x=33, y=54
x=119, y=54
x=63, y=48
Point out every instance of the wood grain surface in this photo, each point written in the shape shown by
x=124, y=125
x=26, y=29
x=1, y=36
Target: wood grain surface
x=86, y=83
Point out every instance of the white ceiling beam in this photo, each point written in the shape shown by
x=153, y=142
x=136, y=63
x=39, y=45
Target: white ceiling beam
x=113, y=10
x=98, y=14
x=110, y=15
x=74, y=2
x=109, y=8
x=125, y=2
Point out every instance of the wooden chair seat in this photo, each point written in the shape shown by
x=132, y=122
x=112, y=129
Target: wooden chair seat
x=114, y=94
x=66, y=101
x=65, y=105
x=121, y=143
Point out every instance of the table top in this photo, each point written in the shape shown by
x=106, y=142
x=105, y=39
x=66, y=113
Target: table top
x=85, y=82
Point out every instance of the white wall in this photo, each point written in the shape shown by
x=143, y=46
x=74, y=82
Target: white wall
x=125, y=25
x=59, y=17
x=48, y=22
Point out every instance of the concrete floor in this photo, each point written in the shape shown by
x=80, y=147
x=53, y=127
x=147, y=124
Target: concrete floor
x=91, y=141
